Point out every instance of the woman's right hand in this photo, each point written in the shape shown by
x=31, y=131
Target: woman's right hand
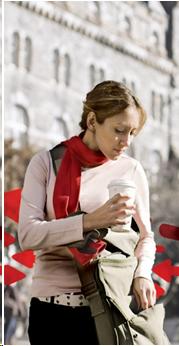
x=114, y=212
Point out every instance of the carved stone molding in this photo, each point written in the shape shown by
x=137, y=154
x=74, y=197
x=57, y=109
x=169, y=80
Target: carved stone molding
x=98, y=34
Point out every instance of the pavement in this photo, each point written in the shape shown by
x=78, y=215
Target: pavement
x=171, y=327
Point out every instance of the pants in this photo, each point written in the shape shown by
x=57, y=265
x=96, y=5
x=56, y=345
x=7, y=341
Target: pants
x=52, y=324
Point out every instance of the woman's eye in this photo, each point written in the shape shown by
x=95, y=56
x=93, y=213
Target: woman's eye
x=119, y=131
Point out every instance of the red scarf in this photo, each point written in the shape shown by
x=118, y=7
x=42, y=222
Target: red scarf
x=67, y=188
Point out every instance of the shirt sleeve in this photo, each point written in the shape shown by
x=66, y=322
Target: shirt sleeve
x=34, y=232
x=146, y=248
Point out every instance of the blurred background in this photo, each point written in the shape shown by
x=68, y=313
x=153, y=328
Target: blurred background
x=0, y=177
x=55, y=52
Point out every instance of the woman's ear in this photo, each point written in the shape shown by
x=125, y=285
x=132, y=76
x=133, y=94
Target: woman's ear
x=91, y=121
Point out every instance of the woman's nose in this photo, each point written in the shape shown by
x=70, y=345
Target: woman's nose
x=126, y=139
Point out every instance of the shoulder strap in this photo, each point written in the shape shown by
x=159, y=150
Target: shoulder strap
x=57, y=154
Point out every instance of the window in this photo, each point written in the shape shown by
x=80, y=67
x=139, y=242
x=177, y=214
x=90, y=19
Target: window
x=155, y=161
x=124, y=80
x=155, y=40
x=28, y=53
x=59, y=129
x=133, y=87
x=153, y=104
x=127, y=25
x=67, y=69
x=56, y=61
x=16, y=49
x=21, y=126
x=94, y=11
x=101, y=75
x=92, y=75
x=161, y=108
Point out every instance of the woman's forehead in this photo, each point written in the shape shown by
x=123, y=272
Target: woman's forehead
x=127, y=117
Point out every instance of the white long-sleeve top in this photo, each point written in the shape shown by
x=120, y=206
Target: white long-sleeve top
x=55, y=271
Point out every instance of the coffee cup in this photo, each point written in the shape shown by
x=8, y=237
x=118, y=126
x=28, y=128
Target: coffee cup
x=124, y=187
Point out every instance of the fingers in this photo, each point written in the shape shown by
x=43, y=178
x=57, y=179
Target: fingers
x=137, y=297
x=122, y=205
x=144, y=300
x=151, y=295
x=118, y=197
x=122, y=216
x=145, y=293
x=154, y=296
x=116, y=211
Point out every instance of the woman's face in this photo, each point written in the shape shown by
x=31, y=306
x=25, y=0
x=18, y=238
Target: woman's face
x=115, y=134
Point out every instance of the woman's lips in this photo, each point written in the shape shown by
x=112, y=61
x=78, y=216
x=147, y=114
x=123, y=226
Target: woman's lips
x=118, y=151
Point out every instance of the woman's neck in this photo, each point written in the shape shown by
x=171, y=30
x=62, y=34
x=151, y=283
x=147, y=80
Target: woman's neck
x=90, y=140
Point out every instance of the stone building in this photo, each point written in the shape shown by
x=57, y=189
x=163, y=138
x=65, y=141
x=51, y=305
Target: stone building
x=1, y=83
x=55, y=51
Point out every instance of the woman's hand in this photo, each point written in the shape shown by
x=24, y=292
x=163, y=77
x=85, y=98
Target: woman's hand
x=114, y=212
x=144, y=292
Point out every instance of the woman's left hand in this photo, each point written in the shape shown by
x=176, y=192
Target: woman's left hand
x=144, y=292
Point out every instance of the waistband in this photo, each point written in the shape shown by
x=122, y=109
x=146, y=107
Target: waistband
x=67, y=299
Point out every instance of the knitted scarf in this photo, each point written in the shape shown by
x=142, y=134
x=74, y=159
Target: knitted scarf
x=68, y=180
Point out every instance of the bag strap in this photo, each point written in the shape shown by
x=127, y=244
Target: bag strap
x=56, y=154
x=103, y=321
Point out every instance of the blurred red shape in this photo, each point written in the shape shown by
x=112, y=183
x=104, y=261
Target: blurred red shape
x=0, y=269
x=8, y=239
x=12, y=275
x=164, y=270
x=175, y=270
x=159, y=290
x=169, y=231
x=12, y=200
x=160, y=248
x=27, y=258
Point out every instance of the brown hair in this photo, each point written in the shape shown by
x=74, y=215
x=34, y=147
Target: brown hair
x=109, y=98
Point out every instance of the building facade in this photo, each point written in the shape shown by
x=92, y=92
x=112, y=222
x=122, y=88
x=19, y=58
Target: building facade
x=56, y=51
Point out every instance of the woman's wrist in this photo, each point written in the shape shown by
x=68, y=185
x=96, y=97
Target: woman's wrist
x=88, y=223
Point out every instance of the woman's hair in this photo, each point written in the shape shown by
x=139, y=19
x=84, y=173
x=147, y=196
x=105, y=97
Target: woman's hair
x=110, y=98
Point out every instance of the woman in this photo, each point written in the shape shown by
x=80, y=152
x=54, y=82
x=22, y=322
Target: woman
x=112, y=117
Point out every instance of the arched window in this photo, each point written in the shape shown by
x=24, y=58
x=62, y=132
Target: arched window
x=133, y=87
x=56, y=62
x=92, y=75
x=94, y=11
x=67, y=65
x=28, y=53
x=161, y=108
x=21, y=125
x=155, y=40
x=124, y=80
x=15, y=48
x=59, y=129
x=155, y=162
x=153, y=104
x=127, y=25
x=101, y=75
